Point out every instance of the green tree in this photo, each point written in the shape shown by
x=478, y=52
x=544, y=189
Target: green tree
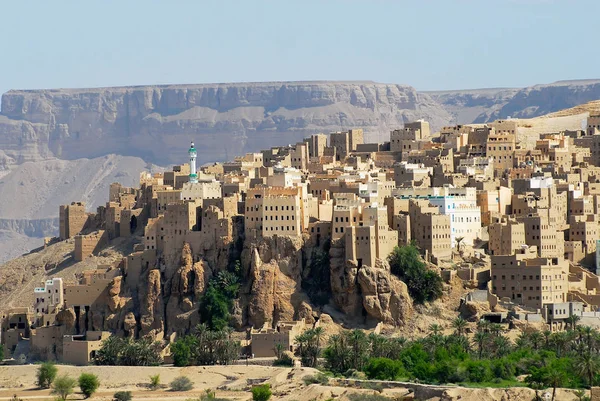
x=554, y=378
x=63, y=386
x=586, y=365
x=309, y=346
x=261, y=392
x=214, y=307
x=481, y=339
x=182, y=351
x=88, y=384
x=129, y=352
x=383, y=369
x=46, y=374
x=459, y=325
x=424, y=285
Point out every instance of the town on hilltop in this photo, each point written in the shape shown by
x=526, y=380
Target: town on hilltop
x=506, y=213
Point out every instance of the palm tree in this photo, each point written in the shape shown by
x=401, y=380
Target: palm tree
x=554, y=378
x=587, y=364
x=483, y=325
x=559, y=340
x=587, y=335
x=318, y=335
x=523, y=340
x=547, y=334
x=536, y=338
x=435, y=329
x=495, y=329
x=501, y=346
x=480, y=339
x=459, y=324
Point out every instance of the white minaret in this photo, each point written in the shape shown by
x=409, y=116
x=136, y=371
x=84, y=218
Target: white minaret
x=193, y=154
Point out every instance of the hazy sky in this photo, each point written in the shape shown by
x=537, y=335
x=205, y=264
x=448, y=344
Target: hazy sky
x=427, y=44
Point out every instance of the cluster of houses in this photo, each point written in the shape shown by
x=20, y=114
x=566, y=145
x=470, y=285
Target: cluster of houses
x=514, y=208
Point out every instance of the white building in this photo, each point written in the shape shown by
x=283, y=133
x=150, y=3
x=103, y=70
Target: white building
x=48, y=300
x=201, y=190
x=285, y=177
x=479, y=167
x=459, y=203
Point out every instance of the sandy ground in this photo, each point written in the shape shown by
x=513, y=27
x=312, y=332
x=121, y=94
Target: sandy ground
x=231, y=382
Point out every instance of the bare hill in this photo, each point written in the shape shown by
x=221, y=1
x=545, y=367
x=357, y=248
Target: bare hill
x=30, y=194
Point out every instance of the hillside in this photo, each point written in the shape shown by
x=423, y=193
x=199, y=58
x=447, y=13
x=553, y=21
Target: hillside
x=31, y=192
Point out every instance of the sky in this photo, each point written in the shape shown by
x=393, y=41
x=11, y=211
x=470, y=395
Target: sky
x=428, y=44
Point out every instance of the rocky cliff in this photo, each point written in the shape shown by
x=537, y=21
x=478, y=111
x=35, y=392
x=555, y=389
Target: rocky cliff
x=483, y=105
x=153, y=122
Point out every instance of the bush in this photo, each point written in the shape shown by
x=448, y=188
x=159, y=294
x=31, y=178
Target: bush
x=261, y=392
x=424, y=285
x=208, y=396
x=383, y=369
x=154, y=382
x=88, y=383
x=285, y=359
x=479, y=371
x=46, y=374
x=63, y=387
x=122, y=396
x=181, y=383
x=319, y=378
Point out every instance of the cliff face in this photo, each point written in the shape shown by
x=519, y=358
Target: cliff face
x=153, y=122
x=484, y=105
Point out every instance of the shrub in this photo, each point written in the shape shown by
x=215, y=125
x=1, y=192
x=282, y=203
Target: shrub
x=122, y=396
x=479, y=371
x=423, y=284
x=209, y=395
x=88, y=383
x=261, y=392
x=63, y=387
x=154, y=382
x=181, y=383
x=319, y=378
x=383, y=369
x=46, y=374
x=284, y=359
x=15, y=398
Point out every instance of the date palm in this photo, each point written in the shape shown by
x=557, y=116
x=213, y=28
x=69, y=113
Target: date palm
x=586, y=365
x=554, y=378
x=460, y=325
x=435, y=329
x=480, y=339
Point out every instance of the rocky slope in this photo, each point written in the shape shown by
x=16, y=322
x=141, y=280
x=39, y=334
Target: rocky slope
x=30, y=194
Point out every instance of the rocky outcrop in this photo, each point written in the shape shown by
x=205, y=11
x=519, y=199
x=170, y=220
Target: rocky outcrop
x=371, y=292
x=274, y=286
x=384, y=297
x=153, y=122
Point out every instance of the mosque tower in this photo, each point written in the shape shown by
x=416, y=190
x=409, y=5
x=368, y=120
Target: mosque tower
x=193, y=154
